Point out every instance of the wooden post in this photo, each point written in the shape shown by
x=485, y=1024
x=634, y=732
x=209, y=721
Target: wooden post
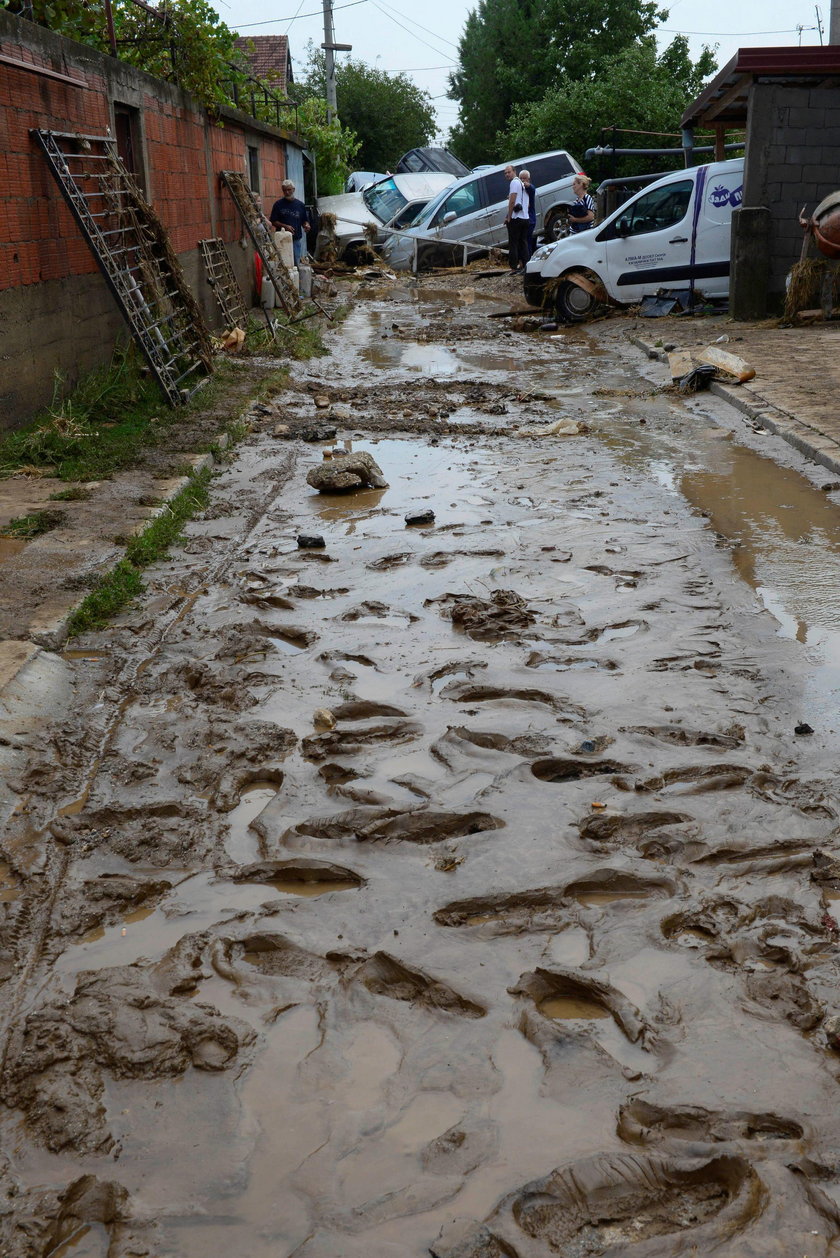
x=720, y=142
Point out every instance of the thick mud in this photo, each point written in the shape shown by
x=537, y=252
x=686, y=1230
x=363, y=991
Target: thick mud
x=457, y=889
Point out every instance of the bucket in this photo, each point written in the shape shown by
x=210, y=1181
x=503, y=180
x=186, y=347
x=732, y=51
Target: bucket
x=268, y=297
x=305, y=273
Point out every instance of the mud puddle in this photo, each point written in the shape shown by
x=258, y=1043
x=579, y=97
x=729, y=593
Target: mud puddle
x=491, y=896
x=783, y=533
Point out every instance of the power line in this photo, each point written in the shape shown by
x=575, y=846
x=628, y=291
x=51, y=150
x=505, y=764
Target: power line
x=671, y=30
x=407, y=31
x=419, y=25
x=272, y=21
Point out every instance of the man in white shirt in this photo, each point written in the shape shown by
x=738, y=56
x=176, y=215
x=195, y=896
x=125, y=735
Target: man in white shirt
x=517, y=222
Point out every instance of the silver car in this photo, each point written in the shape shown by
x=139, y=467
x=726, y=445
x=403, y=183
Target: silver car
x=392, y=202
x=468, y=218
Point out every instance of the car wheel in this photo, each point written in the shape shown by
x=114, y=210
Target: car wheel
x=556, y=226
x=574, y=304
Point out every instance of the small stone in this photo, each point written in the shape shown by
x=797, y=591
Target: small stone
x=321, y=401
x=420, y=517
x=831, y=1026
x=802, y=728
x=830, y=486
x=323, y=719
x=310, y=541
x=318, y=432
x=281, y=430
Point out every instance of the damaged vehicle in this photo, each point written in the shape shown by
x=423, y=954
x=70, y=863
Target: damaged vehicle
x=361, y=218
x=468, y=218
x=673, y=235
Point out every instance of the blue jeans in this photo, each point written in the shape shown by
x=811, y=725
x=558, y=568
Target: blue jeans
x=297, y=248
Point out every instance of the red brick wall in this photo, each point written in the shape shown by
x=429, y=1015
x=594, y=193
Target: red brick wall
x=39, y=240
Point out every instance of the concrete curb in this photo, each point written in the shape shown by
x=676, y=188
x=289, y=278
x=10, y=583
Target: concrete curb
x=746, y=399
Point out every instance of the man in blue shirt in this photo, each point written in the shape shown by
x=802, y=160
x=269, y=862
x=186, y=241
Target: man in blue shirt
x=289, y=214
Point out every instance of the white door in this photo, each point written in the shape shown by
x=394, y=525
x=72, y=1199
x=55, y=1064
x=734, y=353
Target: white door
x=648, y=246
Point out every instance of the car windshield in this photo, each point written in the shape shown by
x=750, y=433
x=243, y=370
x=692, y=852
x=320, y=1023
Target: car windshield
x=428, y=210
x=384, y=200
x=412, y=215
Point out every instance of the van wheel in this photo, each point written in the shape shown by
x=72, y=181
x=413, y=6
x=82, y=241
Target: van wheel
x=556, y=226
x=574, y=304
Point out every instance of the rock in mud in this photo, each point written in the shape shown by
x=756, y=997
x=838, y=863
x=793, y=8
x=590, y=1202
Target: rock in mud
x=323, y=719
x=348, y=472
x=310, y=541
x=420, y=517
x=318, y=432
x=504, y=614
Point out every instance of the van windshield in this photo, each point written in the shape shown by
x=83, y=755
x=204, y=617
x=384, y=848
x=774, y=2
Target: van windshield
x=384, y=200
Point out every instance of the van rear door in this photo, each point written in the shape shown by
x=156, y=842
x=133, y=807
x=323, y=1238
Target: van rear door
x=722, y=193
x=649, y=244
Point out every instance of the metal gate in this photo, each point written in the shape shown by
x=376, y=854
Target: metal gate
x=132, y=250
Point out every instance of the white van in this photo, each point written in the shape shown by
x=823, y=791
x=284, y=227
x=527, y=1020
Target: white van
x=471, y=213
x=675, y=234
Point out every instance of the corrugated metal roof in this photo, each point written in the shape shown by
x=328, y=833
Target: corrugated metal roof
x=725, y=99
x=268, y=57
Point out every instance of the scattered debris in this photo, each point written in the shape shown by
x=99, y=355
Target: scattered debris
x=730, y=363
x=310, y=541
x=560, y=428
x=420, y=517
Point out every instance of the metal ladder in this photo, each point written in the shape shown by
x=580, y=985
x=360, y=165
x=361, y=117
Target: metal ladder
x=258, y=229
x=132, y=250
x=222, y=280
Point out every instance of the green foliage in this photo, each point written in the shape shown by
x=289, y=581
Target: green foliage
x=124, y=583
x=635, y=88
x=513, y=52
x=25, y=527
x=387, y=112
x=99, y=428
x=334, y=146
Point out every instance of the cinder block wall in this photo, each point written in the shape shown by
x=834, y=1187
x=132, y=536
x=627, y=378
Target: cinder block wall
x=56, y=313
x=792, y=159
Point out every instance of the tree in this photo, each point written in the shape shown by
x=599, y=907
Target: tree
x=636, y=88
x=387, y=112
x=514, y=51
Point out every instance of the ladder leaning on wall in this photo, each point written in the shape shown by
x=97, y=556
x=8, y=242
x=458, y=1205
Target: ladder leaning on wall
x=257, y=228
x=222, y=280
x=133, y=251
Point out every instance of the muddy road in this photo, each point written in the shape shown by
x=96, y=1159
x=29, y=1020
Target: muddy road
x=458, y=889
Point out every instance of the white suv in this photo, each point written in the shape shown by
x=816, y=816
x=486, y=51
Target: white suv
x=471, y=212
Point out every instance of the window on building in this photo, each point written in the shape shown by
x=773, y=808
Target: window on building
x=254, y=167
x=129, y=142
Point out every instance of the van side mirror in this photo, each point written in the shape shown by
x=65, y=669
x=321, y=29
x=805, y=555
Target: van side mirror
x=622, y=227
x=450, y=217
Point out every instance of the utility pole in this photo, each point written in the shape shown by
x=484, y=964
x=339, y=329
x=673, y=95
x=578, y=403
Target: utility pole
x=330, y=47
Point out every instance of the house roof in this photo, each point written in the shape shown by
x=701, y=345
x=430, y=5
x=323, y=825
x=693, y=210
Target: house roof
x=269, y=58
x=724, y=101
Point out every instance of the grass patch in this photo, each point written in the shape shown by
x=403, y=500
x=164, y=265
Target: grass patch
x=124, y=583
x=25, y=527
x=291, y=340
x=76, y=493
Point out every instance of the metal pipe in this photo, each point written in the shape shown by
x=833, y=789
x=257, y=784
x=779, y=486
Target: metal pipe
x=604, y=151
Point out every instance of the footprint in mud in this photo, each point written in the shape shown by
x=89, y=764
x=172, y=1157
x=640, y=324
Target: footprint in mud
x=390, y=561
x=551, y=908
x=693, y=780
x=130, y=1022
x=378, y=613
x=681, y=737
x=617, y=632
x=384, y=975
x=459, y=742
x=305, y=877
x=571, y=996
x=90, y=1212
x=503, y=616
x=273, y=955
x=650, y=832
x=566, y=769
x=569, y=663
x=385, y=825
x=467, y=692
x=350, y=657
x=364, y=709
x=104, y=901
x=467, y=667
x=641, y=1122
x=620, y=1203
x=349, y=742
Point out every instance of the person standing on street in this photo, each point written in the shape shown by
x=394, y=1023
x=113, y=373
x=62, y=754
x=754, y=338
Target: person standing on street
x=516, y=222
x=582, y=209
x=289, y=214
x=531, y=193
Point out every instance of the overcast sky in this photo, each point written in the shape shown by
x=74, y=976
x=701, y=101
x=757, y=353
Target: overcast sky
x=420, y=38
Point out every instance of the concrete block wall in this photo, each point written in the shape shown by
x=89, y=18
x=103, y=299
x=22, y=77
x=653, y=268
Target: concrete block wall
x=56, y=314
x=792, y=159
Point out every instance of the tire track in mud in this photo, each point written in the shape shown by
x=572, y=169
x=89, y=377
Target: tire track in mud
x=507, y=942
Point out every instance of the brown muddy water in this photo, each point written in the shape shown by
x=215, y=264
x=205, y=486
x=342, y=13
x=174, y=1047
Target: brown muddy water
x=529, y=949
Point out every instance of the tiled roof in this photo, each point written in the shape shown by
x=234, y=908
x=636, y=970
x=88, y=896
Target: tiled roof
x=268, y=56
